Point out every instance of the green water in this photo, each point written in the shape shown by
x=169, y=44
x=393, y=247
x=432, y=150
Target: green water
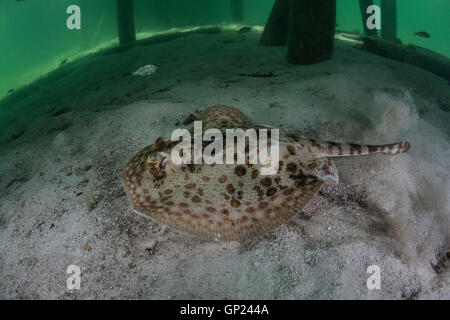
x=34, y=37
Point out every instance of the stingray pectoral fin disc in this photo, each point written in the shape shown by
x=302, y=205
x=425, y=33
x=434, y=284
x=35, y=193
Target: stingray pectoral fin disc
x=228, y=224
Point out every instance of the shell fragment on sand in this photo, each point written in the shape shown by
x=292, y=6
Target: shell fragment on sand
x=146, y=70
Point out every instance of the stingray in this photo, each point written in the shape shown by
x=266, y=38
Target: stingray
x=234, y=201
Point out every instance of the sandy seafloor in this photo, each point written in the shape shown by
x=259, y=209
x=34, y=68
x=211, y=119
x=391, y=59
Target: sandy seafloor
x=86, y=122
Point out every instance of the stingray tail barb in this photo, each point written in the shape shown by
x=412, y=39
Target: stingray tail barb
x=333, y=149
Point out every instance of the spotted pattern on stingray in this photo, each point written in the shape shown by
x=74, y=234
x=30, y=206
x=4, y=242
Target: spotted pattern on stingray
x=233, y=202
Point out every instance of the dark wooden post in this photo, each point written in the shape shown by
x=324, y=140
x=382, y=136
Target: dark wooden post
x=277, y=26
x=125, y=22
x=389, y=20
x=311, y=31
x=363, y=5
x=237, y=10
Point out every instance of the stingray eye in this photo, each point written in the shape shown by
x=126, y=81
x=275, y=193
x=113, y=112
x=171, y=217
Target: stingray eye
x=163, y=162
x=154, y=158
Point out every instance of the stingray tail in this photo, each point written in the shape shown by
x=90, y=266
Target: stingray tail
x=332, y=149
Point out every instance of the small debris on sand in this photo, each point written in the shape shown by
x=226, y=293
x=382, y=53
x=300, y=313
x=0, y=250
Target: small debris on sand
x=258, y=75
x=445, y=107
x=150, y=246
